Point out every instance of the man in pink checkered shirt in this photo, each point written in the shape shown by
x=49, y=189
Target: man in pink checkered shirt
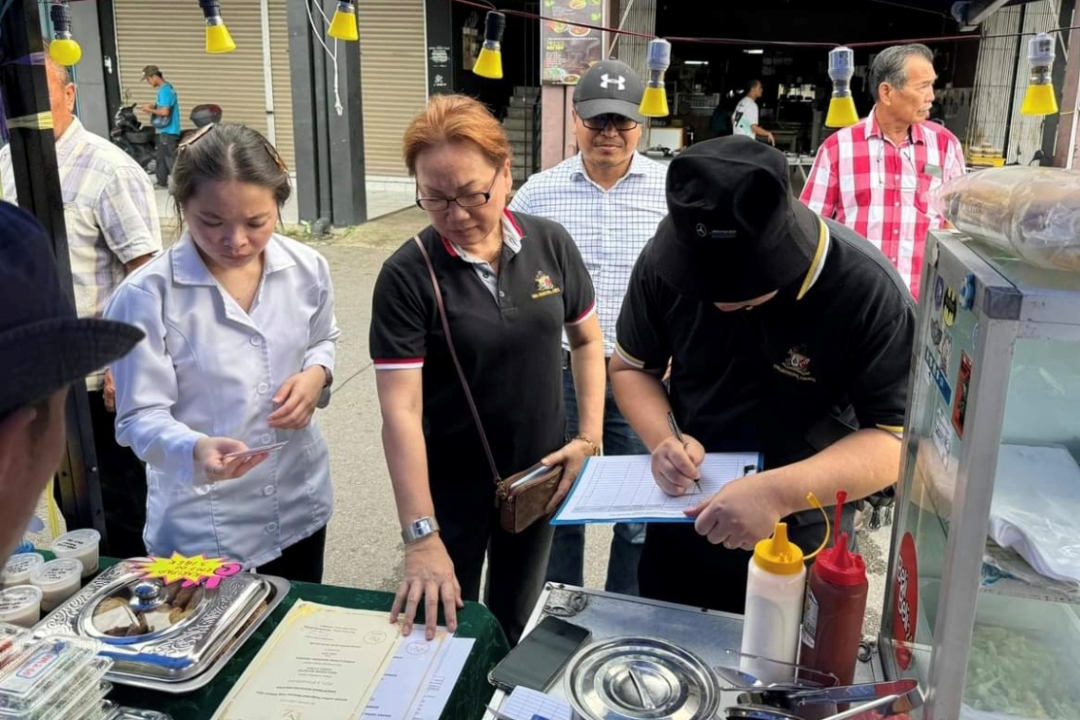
x=875, y=176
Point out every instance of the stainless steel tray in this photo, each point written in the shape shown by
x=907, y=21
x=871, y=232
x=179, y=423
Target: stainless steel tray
x=184, y=655
x=710, y=635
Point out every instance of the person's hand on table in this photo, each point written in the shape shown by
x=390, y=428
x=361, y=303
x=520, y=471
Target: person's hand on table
x=209, y=456
x=744, y=512
x=109, y=392
x=676, y=465
x=297, y=398
x=429, y=575
x=572, y=456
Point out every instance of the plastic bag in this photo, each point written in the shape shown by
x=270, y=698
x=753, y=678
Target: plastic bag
x=1033, y=212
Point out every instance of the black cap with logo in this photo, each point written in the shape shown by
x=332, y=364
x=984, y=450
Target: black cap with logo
x=610, y=86
x=734, y=232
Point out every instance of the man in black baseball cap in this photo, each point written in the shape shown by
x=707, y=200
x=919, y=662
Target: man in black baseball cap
x=44, y=348
x=790, y=336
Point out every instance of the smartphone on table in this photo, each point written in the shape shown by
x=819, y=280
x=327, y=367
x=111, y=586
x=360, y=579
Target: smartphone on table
x=540, y=657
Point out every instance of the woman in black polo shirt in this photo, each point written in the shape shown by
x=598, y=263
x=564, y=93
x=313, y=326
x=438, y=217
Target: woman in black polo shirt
x=512, y=284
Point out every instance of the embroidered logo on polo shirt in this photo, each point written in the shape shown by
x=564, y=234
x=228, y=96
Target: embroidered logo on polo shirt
x=796, y=365
x=544, y=286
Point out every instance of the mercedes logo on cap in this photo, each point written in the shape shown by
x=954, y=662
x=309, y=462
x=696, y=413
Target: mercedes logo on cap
x=702, y=231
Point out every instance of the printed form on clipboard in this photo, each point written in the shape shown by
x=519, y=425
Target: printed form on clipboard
x=622, y=489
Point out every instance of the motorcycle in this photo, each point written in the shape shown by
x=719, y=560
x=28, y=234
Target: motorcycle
x=137, y=140
x=140, y=141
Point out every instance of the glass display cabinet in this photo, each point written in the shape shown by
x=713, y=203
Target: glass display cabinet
x=983, y=586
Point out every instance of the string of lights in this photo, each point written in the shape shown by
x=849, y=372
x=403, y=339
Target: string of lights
x=1040, y=98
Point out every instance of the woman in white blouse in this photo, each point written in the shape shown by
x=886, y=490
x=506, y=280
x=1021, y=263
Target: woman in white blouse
x=239, y=351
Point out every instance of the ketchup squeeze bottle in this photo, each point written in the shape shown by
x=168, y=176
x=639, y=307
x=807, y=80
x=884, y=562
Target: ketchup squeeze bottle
x=834, y=608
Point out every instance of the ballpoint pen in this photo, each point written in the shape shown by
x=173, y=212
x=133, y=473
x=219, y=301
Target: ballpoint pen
x=679, y=436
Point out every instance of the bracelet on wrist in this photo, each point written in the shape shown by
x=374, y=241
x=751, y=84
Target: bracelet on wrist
x=588, y=441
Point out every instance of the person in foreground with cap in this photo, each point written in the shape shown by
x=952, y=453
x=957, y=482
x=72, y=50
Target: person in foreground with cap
x=610, y=199
x=44, y=348
x=165, y=117
x=789, y=335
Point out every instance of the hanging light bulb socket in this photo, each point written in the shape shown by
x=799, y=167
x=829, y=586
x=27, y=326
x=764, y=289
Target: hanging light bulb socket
x=63, y=49
x=489, y=62
x=842, y=112
x=343, y=26
x=1039, y=98
x=654, y=102
x=218, y=39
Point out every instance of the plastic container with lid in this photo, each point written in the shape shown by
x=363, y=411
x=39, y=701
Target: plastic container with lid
x=58, y=580
x=835, y=607
x=776, y=582
x=21, y=605
x=81, y=545
x=18, y=569
x=47, y=674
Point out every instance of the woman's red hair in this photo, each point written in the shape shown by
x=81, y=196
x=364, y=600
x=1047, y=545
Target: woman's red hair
x=455, y=119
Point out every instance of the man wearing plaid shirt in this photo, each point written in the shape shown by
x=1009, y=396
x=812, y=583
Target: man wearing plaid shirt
x=610, y=198
x=111, y=217
x=876, y=176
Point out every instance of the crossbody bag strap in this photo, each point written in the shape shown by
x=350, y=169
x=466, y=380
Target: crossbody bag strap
x=457, y=362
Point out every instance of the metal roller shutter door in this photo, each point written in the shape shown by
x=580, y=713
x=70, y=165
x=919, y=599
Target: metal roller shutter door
x=393, y=77
x=172, y=35
x=282, y=82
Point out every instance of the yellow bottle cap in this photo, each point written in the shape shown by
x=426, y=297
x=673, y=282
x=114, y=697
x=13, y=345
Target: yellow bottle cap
x=779, y=555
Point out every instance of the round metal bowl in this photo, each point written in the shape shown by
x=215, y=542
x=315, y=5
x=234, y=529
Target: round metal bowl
x=640, y=678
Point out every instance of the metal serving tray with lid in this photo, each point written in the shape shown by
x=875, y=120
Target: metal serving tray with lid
x=163, y=636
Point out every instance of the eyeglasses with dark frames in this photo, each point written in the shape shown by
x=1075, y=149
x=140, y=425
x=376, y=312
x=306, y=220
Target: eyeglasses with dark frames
x=600, y=122
x=470, y=200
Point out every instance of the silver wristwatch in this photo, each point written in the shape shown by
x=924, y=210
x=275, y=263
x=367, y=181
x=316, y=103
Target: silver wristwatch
x=419, y=529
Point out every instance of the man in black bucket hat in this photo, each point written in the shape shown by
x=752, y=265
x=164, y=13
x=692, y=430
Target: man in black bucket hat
x=44, y=348
x=789, y=335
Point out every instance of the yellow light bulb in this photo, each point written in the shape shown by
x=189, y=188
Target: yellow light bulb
x=1039, y=100
x=218, y=39
x=343, y=26
x=842, y=112
x=489, y=64
x=654, y=102
x=65, y=51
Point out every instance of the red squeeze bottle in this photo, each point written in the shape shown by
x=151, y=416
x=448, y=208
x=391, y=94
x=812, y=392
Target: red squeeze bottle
x=834, y=607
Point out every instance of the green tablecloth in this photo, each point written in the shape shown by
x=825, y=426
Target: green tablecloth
x=469, y=697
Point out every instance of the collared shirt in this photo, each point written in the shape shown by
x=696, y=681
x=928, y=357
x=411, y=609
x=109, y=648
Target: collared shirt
x=207, y=368
x=610, y=227
x=508, y=343
x=110, y=213
x=487, y=274
x=880, y=190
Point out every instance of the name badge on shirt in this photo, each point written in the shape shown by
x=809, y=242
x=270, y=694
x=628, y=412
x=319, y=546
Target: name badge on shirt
x=932, y=170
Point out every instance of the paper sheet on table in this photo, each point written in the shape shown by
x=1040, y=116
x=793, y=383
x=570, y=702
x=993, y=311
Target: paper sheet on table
x=321, y=663
x=622, y=489
x=525, y=704
x=420, y=677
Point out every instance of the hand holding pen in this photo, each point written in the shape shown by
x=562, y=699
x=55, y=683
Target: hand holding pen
x=676, y=461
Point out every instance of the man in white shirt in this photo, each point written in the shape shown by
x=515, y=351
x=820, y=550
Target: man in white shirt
x=111, y=217
x=745, y=118
x=610, y=198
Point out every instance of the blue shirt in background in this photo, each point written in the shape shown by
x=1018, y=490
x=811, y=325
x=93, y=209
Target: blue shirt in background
x=166, y=97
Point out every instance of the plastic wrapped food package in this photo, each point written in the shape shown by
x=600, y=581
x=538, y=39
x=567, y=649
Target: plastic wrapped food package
x=1033, y=212
x=46, y=674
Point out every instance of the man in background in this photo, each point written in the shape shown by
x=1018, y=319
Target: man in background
x=165, y=117
x=746, y=116
x=44, y=348
x=111, y=218
x=891, y=161
x=610, y=198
